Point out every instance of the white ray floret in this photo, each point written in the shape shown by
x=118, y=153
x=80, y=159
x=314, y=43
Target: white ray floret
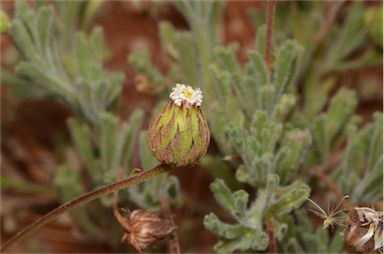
x=185, y=93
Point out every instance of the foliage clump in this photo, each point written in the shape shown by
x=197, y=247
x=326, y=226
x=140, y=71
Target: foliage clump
x=277, y=124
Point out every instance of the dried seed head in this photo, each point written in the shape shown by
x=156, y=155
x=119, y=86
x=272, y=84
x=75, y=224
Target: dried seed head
x=179, y=135
x=146, y=228
x=364, y=230
x=333, y=216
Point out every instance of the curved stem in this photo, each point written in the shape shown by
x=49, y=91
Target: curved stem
x=85, y=198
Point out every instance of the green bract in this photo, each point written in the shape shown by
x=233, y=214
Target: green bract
x=179, y=135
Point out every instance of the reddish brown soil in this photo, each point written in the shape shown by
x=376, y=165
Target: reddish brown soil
x=30, y=130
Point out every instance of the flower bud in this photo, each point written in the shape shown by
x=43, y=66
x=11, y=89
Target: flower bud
x=179, y=135
x=145, y=229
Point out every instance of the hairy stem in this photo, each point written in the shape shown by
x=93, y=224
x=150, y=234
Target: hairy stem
x=271, y=7
x=173, y=240
x=85, y=198
x=116, y=211
x=272, y=238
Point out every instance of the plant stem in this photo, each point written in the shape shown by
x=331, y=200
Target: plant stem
x=271, y=7
x=330, y=17
x=116, y=212
x=272, y=237
x=330, y=184
x=173, y=240
x=85, y=198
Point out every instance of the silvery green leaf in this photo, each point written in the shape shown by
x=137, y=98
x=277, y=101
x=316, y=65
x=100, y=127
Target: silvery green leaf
x=284, y=106
x=108, y=130
x=341, y=108
x=259, y=68
x=146, y=157
x=258, y=206
x=227, y=231
x=267, y=94
x=321, y=138
x=134, y=123
x=285, y=66
x=291, y=198
x=349, y=38
x=82, y=138
x=167, y=34
x=227, y=60
x=223, y=195
x=295, y=146
x=261, y=38
x=240, y=199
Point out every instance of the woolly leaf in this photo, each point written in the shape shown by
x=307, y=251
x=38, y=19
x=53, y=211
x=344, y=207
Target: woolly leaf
x=340, y=110
x=134, y=123
x=285, y=66
x=261, y=39
x=107, y=139
x=292, y=197
x=259, y=68
x=167, y=34
x=295, y=146
x=227, y=231
x=65, y=68
x=223, y=195
x=81, y=136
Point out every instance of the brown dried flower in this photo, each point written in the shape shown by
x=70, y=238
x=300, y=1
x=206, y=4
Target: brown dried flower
x=364, y=229
x=143, y=229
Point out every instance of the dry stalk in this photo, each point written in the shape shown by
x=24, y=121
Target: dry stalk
x=272, y=238
x=173, y=245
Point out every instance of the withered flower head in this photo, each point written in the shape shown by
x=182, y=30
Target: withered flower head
x=179, y=135
x=144, y=229
x=364, y=229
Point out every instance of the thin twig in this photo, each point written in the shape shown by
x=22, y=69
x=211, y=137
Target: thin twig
x=272, y=238
x=329, y=20
x=173, y=240
x=85, y=198
x=321, y=173
x=332, y=186
x=271, y=7
x=116, y=210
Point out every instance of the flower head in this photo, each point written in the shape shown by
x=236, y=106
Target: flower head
x=143, y=229
x=187, y=95
x=179, y=135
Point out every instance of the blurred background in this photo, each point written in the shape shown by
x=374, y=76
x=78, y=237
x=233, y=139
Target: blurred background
x=35, y=136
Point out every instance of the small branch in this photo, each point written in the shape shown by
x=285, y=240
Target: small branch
x=329, y=20
x=116, y=210
x=320, y=172
x=85, y=198
x=330, y=184
x=272, y=238
x=333, y=187
x=271, y=8
x=173, y=240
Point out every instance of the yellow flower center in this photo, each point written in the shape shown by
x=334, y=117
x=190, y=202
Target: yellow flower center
x=187, y=93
